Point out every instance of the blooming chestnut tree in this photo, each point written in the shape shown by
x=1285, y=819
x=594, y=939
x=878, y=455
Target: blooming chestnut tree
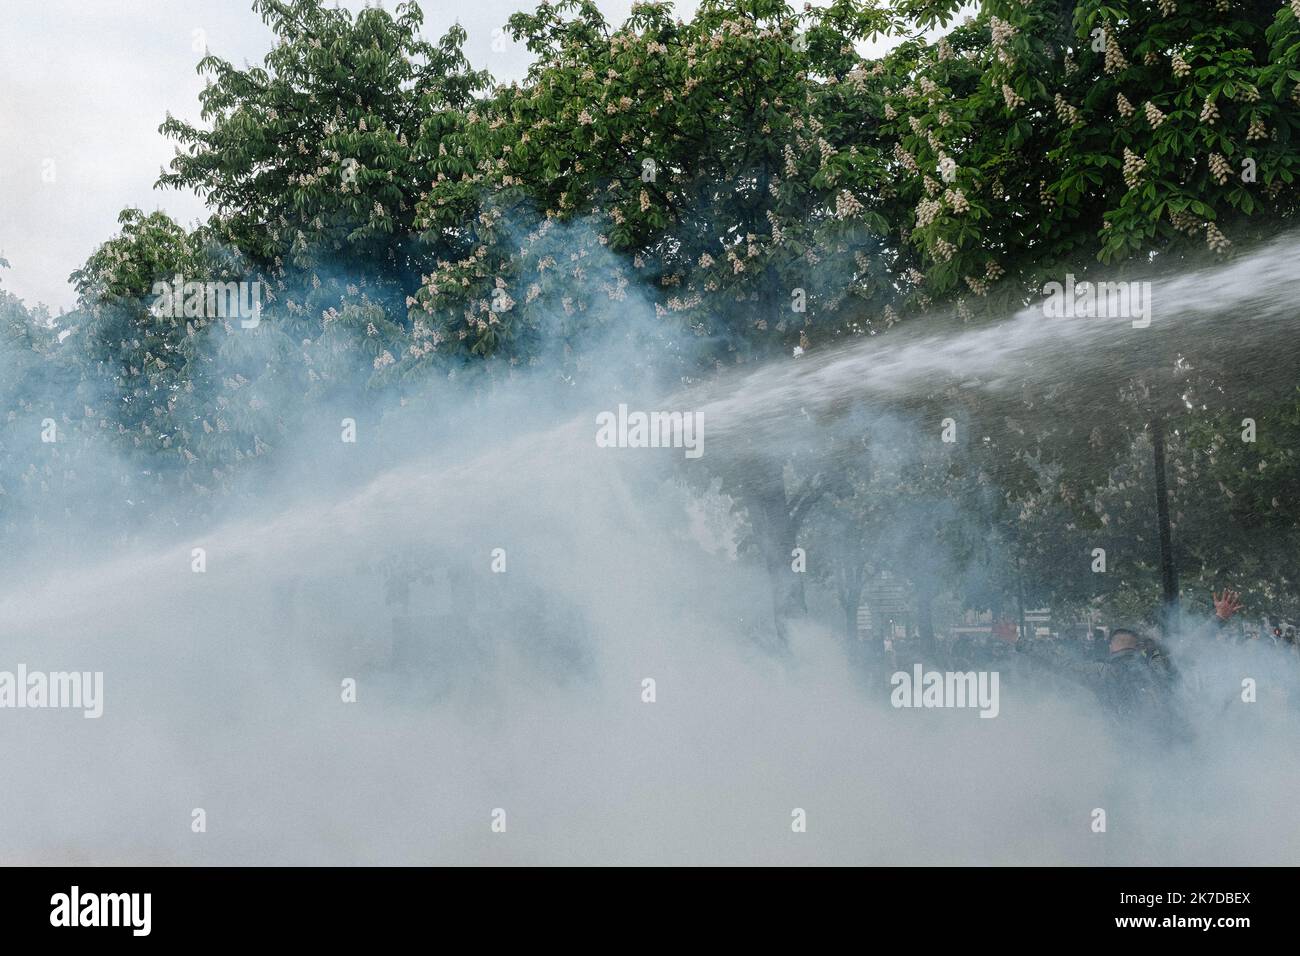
x=724, y=164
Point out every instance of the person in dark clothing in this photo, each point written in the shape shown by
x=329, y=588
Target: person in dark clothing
x=1135, y=684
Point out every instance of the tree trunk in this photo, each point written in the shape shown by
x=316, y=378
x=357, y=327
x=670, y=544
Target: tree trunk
x=775, y=531
x=1020, y=598
x=850, y=606
x=1169, y=612
x=925, y=621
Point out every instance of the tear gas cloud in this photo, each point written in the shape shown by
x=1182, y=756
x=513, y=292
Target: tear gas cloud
x=500, y=587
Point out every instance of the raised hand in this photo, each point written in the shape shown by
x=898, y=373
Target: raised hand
x=1226, y=604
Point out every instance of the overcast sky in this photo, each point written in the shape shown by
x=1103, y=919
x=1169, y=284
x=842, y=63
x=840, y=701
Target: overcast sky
x=84, y=85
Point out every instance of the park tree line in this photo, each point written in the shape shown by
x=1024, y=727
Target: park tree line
x=762, y=187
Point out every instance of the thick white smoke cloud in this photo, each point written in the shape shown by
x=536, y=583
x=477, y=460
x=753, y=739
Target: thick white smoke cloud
x=523, y=690
x=223, y=692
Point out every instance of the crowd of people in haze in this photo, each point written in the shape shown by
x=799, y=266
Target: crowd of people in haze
x=1146, y=686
